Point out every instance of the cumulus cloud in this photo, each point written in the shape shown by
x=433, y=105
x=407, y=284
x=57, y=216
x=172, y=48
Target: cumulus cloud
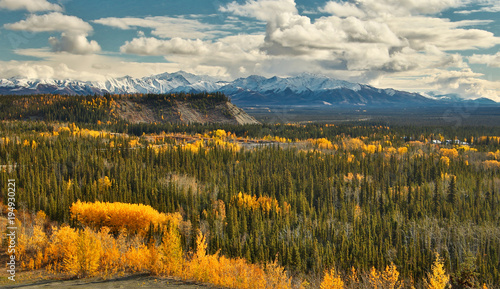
x=54, y=21
x=74, y=32
x=422, y=31
x=344, y=9
x=366, y=38
x=89, y=67
x=230, y=55
x=168, y=27
x=373, y=39
x=29, y=5
x=407, y=7
x=77, y=44
x=464, y=82
x=265, y=10
x=492, y=60
x=154, y=46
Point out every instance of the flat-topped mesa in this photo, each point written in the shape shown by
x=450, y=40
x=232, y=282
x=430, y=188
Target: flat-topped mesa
x=135, y=108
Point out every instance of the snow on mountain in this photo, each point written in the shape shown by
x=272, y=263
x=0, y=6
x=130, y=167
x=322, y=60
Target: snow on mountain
x=303, y=89
x=183, y=81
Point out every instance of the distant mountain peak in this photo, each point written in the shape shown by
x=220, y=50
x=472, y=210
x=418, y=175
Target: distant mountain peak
x=309, y=89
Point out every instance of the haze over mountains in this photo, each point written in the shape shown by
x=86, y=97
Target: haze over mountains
x=301, y=90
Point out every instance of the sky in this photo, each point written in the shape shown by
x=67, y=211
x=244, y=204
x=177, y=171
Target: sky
x=427, y=46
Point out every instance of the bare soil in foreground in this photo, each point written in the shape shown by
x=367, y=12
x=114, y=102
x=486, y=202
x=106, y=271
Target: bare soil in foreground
x=126, y=282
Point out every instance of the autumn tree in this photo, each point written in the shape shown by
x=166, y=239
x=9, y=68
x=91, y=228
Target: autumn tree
x=437, y=278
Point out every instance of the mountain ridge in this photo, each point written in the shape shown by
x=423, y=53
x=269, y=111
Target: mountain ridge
x=304, y=89
x=132, y=108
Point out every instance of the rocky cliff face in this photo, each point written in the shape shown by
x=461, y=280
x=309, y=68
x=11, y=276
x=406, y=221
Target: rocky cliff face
x=182, y=112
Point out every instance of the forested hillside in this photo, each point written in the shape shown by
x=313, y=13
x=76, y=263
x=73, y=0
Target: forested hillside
x=133, y=108
x=351, y=201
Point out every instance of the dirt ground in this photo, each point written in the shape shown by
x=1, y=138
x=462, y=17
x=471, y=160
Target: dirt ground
x=127, y=282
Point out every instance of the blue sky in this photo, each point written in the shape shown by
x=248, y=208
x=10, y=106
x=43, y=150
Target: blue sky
x=427, y=46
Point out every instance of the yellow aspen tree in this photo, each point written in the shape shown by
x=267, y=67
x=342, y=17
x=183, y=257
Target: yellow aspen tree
x=136, y=259
x=84, y=261
x=63, y=243
x=353, y=278
x=332, y=280
x=437, y=279
x=375, y=279
x=276, y=276
x=390, y=277
x=89, y=252
x=110, y=257
x=171, y=250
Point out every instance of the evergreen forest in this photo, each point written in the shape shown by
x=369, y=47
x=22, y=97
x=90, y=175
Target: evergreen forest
x=351, y=205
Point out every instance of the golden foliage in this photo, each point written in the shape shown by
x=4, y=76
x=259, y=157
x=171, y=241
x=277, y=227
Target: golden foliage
x=351, y=177
x=62, y=245
x=4, y=140
x=104, y=184
x=450, y=153
x=133, y=143
x=371, y=149
x=350, y=144
x=357, y=212
x=437, y=279
x=135, y=218
x=276, y=276
x=111, y=252
x=402, y=150
x=322, y=143
x=390, y=277
x=263, y=203
x=220, y=133
x=232, y=273
x=171, y=250
x=353, y=277
x=277, y=139
x=194, y=147
x=136, y=258
x=332, y=280
x=445, y=161
x=85, y=261
x=375, y=278
x=226, y=145
x=491, y=164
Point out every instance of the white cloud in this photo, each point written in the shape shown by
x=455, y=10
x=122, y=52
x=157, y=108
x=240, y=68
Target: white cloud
x=169, y=27
x=54, y=21
x=376, y=41
x=399, y=43
x=228, y=54
x=74, y=32
x=492, y=60
x=492, y=6
x=407, y=7
x=154, y=46
x=422, y=31
x=77, y=44
x=90, y=67
x=265, y=10
x=464, y=82
x=29, y=5
x=344, y=9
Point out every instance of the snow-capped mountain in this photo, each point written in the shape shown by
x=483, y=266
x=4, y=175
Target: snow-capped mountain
x=304, y=89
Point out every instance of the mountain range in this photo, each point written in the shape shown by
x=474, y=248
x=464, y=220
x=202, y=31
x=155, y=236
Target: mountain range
x=302, y=90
